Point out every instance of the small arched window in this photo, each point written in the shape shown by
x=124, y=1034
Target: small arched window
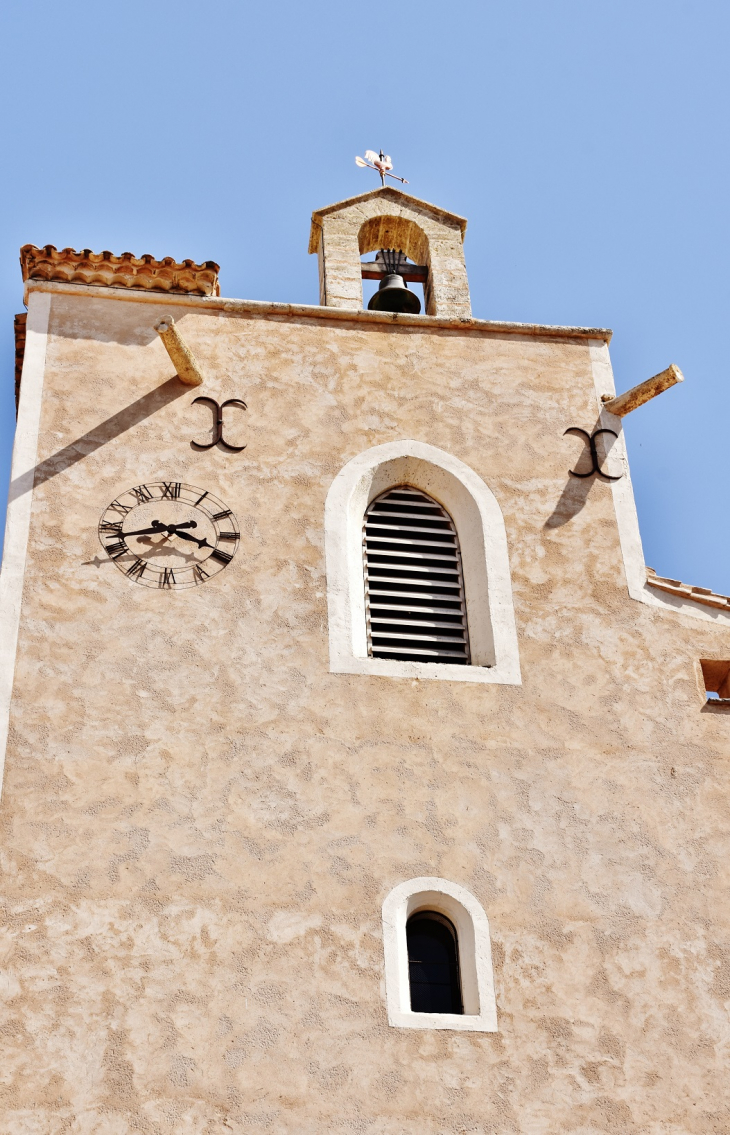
x=433, y=964
x=438, y=958
x=414, y=586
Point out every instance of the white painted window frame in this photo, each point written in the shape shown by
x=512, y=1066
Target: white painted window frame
x=485, y=562
x=475, y=956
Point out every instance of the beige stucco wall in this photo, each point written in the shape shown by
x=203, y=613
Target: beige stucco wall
x=200, y=823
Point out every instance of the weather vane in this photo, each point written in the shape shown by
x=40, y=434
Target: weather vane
x=382, y=163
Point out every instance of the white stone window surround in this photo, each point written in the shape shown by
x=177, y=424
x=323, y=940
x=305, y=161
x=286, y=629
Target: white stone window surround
x=475, y=956
x=485, y=562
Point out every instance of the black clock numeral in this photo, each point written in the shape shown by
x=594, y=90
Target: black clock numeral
x=221, y=557
x=229, y=535
x=117, y=549
x=198, y=574
x=111, y=526
x=141, y=494
x=119, y=507
x=136, y=570
x=170, y=490
x=201, y=498
x=221, y=515
x=167, y=578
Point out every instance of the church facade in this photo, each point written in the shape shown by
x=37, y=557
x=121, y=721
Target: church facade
x=359, y=775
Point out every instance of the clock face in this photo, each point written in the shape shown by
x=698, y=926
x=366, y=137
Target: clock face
x=169, y=535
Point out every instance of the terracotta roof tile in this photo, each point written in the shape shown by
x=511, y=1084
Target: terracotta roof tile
x=104, y=269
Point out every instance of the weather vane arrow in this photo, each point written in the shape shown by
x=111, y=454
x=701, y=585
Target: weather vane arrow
x=380, y=162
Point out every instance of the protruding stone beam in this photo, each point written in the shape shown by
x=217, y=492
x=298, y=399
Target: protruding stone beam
x=182, y=357
x=644, y=392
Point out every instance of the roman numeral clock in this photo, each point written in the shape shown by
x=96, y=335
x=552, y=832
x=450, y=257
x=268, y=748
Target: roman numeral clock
x=169, y=535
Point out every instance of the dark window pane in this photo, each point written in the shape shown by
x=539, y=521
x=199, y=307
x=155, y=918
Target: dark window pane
x=433, y=964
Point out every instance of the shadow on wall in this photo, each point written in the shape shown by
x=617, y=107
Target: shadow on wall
x=118, y=424
x=575, y=494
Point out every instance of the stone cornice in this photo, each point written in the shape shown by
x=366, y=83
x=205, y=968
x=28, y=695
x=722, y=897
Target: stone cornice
x=104, y=269
x=340, y=315
x=702, y=595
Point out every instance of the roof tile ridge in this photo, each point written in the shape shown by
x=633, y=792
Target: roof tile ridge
x=108, y=269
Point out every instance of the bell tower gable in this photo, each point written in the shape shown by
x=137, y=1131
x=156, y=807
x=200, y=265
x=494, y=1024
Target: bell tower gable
x=387, y=218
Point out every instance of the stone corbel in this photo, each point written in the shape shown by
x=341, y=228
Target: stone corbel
x=644, y=392
x=182, y=357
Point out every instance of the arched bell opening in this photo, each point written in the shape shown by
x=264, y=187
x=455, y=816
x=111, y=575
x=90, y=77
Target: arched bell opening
x=397, y=279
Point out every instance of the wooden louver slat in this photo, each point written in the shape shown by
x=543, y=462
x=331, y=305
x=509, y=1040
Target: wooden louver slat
x=414, y=588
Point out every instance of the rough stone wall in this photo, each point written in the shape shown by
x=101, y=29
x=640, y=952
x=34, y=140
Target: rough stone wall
x=200, y=822
x=389, y=219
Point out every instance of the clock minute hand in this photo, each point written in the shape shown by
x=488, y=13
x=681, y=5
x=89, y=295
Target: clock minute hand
x=156, y=527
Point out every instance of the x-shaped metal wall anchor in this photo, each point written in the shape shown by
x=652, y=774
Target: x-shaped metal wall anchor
x=218, y=408
x=591, y=441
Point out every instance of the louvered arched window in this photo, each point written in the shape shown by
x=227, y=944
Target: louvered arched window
x=414, y=587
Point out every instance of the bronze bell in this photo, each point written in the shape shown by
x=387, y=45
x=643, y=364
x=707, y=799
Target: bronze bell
x=393, y=294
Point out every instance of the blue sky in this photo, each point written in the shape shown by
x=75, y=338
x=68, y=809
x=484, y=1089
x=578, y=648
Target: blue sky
x=587, y=143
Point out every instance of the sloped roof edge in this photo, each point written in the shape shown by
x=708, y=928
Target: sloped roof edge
x=388, y=193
